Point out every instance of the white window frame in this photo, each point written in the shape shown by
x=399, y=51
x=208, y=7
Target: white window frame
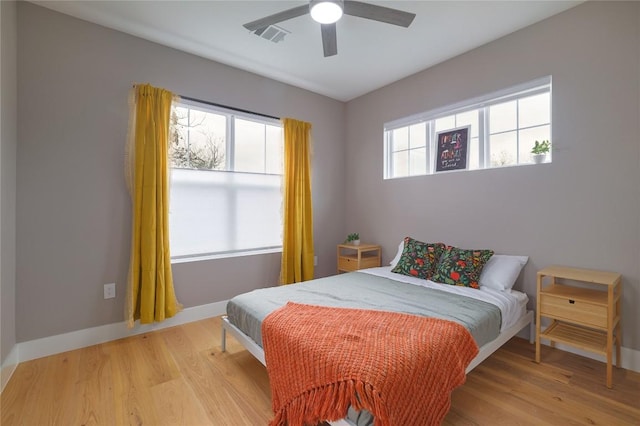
x=480, y=103
x=231, y=115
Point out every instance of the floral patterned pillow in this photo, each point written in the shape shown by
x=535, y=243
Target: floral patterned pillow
x=461, y=267
x=418, y=259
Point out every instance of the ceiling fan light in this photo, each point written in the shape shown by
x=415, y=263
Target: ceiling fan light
x=326, y=12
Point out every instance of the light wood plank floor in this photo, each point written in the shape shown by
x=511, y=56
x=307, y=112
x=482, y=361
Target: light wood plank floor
x=178, y=376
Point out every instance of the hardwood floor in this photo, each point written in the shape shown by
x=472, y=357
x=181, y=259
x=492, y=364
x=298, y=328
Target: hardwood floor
x=178, y=376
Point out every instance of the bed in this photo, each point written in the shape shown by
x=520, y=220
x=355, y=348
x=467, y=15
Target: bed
x=491, y=316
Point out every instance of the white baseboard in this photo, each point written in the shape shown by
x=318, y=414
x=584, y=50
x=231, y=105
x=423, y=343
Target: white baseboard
x=46, y=346
x=8, y=367
x=630, y=359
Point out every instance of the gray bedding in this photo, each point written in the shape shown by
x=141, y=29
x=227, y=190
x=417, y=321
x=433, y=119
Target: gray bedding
x=365, y=291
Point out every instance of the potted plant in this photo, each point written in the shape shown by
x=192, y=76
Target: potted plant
x=353, y=239
x=540, y=151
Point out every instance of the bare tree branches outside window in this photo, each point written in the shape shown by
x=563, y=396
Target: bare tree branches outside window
x=194, y=143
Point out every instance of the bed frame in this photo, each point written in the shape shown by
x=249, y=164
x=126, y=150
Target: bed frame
x=484, y=352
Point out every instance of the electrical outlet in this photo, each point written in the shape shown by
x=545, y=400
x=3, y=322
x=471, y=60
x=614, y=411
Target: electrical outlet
x=315, y=260
x=110, y=291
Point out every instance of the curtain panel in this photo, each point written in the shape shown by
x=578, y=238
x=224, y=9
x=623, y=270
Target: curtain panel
x=150, y=293
x=297, y=244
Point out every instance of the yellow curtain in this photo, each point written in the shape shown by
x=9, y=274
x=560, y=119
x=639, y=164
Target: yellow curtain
x=150, y=293
x=297, y=244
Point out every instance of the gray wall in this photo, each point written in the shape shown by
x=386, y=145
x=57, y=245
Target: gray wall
x=581, y=210
x=8, y=140
x=73, y=209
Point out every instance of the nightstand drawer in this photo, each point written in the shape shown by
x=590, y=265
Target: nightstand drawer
x=575, y=311
x=347, y=263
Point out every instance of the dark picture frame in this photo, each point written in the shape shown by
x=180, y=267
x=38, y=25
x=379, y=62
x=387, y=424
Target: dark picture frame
x=452, y=151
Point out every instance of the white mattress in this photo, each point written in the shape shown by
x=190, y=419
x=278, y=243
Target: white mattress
x=512, y=303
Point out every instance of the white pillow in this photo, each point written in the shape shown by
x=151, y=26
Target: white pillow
x=396, y=259
x=501, y=271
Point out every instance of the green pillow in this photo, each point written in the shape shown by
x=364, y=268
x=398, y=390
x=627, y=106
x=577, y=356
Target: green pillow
x=418, y=259
x=461, y=267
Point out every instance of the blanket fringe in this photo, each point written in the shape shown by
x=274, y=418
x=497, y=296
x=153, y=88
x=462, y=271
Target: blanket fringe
x=331, y=402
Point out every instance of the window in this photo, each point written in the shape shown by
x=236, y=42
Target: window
x=225, y=181
x=503, y=129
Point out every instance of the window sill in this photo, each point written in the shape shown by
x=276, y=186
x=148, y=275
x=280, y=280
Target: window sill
x=197, y=258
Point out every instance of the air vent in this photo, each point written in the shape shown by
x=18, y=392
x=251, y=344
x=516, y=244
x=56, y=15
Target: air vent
x=272, y=33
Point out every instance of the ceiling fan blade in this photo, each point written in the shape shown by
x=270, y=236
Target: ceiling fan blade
x=277, y=17
x=329, y=40
x=378, y=13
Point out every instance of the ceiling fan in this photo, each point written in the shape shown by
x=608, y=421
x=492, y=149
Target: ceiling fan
x=328, y=12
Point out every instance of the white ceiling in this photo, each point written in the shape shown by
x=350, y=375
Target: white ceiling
x=370, y=54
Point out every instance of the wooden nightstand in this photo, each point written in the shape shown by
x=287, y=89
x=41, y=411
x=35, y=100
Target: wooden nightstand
x=587, y=318
x=352, y=258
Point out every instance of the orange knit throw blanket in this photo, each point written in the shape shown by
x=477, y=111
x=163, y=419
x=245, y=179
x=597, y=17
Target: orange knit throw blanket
x=400, y=367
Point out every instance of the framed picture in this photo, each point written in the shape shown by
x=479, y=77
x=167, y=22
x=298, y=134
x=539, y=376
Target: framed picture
x=453, y=149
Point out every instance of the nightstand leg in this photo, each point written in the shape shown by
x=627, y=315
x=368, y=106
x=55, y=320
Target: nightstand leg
x=610, y=314
x=618, y=345
x=539, y=287
x=538, y=337
x=609, y=358
x=619, y=328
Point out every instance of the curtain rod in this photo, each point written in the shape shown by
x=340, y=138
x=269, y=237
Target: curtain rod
x=225, y=106
x=228, y=107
